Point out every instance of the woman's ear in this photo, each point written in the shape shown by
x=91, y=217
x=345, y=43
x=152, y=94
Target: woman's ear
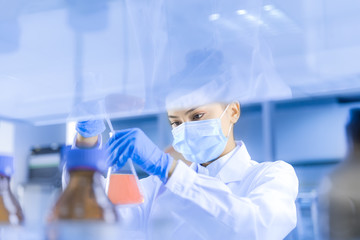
x=234, y=112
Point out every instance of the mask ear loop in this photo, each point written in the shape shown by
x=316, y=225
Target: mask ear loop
x=228, y=134
x=224, y=111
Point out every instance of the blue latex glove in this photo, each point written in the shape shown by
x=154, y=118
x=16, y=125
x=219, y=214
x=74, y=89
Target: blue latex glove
x=133, y=143
x=90, y=128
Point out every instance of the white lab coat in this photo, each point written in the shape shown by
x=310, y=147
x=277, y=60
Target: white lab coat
x=233, y=198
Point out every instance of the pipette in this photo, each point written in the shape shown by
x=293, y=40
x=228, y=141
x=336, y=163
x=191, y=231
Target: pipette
x=112, y=132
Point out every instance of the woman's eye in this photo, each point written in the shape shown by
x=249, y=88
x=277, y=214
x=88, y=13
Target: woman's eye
x=175, y=124
x=197, y=116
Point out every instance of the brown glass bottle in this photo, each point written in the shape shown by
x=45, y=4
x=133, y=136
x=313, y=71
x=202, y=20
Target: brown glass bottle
x=339, y=198
x=10, y=210
x=84, y=197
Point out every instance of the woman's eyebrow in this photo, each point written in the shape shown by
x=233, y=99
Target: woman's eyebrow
x=189, y=111
x=186, y=113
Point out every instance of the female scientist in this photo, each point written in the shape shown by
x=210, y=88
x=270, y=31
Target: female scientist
x=223, y=194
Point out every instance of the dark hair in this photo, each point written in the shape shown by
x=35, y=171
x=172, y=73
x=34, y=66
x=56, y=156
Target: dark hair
x=353, y=126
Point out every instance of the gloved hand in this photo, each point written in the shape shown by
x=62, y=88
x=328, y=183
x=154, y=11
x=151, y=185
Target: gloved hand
x=90, y=128
x=133, y=143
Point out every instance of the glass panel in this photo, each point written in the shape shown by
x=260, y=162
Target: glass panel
x=75, y=59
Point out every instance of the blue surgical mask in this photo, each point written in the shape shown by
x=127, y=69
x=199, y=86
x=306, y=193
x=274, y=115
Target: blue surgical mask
x=200, y=141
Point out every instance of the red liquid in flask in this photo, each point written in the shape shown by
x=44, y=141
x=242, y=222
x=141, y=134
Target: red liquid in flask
x=123, y=189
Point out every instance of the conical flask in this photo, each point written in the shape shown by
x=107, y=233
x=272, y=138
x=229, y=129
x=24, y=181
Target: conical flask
x=123, y=185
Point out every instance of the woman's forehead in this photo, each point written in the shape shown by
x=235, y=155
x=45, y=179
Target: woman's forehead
x=184, y=111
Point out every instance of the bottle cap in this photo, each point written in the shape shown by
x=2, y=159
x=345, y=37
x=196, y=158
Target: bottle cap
x=85, y=159
x=6, y=165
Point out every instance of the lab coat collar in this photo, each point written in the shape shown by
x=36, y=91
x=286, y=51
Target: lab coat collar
x=229, y=168
x=235, y=168
x=214, y=168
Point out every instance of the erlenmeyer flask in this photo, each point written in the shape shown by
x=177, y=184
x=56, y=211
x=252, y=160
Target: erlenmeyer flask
x=123, y=186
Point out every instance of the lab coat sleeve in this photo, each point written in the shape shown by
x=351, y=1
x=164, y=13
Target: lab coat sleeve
x=266, y=212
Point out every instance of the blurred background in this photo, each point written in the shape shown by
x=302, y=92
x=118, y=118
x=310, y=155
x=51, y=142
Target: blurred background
x=293, y=65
